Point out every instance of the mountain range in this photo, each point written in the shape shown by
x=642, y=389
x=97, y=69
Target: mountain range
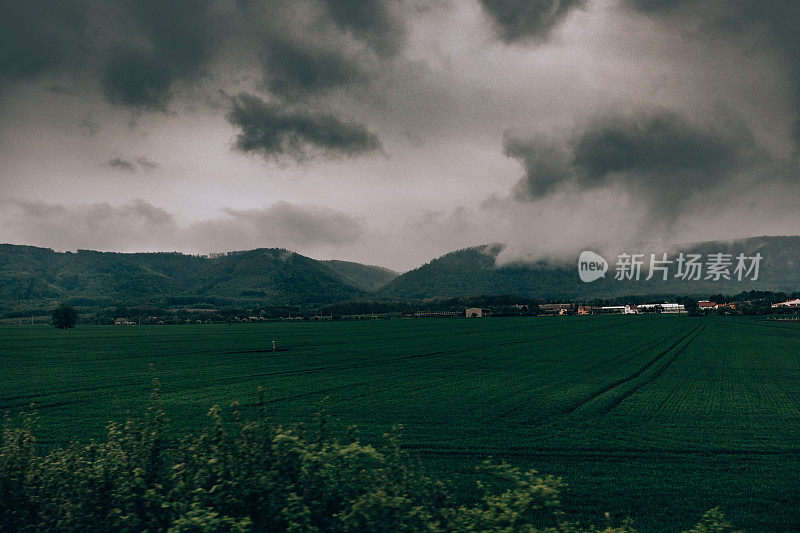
x=474, y=271
x=32, y=277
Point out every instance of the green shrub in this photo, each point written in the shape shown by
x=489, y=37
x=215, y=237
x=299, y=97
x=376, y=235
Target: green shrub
x=64, y=316
x=253, y=476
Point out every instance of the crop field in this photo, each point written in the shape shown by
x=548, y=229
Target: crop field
x=655, y=417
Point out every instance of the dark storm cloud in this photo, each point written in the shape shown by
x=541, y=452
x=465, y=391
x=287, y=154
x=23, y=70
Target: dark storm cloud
x=660, y=146
x=138, y=50
x=773, y=23
x=293, y=71
x=752, y=24
x=169, y=42
x=39, y=35
x=146, y=52
x=528, y=19
x=371, y=21
x=660, y=157
x=272, y=130
x=309, y=47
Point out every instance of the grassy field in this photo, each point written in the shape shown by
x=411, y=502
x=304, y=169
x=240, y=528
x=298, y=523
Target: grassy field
x=655, y=417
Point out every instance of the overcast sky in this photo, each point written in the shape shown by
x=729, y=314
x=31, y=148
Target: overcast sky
x=391, y=132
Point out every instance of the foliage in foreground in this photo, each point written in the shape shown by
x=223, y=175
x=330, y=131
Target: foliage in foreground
x=252, y=476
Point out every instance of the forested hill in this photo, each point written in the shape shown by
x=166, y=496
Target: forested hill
x=472, y=271
x=366, y=277
x=32, y=275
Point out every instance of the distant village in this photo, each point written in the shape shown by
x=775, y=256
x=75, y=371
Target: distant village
x=215, y=316
x=762, y=303
x=562, y=309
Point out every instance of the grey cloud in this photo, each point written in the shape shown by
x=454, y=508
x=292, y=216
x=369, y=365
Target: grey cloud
x=137, y=78
x=293, y=71
x=68, y=227
x=652, y=145
x=146, y=165
x=650, y=6
x=528, y=19
x=272, y=130
x=138, y=50
x=308, y=47
x=144, y=53
x=39, y=35
x=547, y=164
x=772, y=24
x=121, y=164
x=300, y=225
x=171, y=43
x=371, y=21
x=131, y=166
x=139, y=225
x=659, y=157
x=752, y=24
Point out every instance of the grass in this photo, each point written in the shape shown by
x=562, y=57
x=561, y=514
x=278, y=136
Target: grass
x=656, y=417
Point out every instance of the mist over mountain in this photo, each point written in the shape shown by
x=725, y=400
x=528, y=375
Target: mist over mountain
x=473, y=271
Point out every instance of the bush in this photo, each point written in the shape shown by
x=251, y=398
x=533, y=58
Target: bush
x=64, y=316
x=254, y=476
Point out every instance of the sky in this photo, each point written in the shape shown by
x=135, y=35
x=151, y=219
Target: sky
x=391, y=132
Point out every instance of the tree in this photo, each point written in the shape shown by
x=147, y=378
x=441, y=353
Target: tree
x=64, y=316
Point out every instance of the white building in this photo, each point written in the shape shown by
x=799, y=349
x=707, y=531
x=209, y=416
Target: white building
x=673, y=308
x=665, y=307
x=792, y=304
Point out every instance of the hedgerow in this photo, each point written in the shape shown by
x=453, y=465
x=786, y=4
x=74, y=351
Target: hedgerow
x=240, y=476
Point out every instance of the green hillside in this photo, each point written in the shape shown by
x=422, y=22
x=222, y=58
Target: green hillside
x=31, y=276
x=364, y=277
x=472, y=271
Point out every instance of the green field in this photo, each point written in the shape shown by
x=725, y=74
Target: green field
x=655, y=417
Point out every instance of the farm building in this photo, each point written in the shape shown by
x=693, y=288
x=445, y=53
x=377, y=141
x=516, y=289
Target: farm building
x=663, y=308
x=556, y=309
x=477, y=312
x=631, y=309
x=584, y=310
x=705, y=304
x=792, y=304
x=609, y=310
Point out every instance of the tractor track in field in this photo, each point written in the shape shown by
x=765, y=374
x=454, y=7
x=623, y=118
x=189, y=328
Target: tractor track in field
x=560, y=412
x=655, y=375
x=641, y=370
